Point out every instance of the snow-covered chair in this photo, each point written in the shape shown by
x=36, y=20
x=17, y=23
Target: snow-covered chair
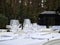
x=55, y=27
x=41, y=27
x=26, y=21
x=14, y=22
x=14, y=25
x=35, y=26
x=51, y=29
x=27, y=25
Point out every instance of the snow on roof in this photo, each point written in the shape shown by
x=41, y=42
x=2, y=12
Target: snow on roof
x=48, y=12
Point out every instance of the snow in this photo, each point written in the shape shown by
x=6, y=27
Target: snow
x=31, y=39
x=48, y=12
x=31, y=34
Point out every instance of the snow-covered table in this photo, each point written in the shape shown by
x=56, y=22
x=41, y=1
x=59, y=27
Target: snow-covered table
x=23, y=42
x=32, y=39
